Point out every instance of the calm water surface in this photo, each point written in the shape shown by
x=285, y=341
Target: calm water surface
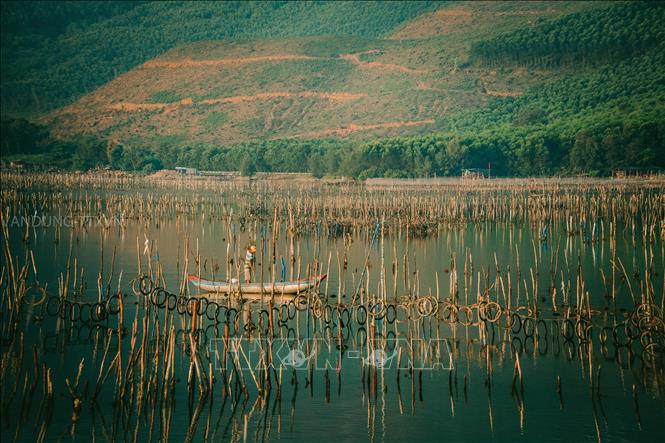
x=458, y=403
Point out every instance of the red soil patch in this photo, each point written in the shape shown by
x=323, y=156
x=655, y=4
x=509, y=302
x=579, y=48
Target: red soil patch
x=355, y=59
x=190, y=63
x=440, y=22
x=453, y=12
x=343, y=132
x=449, y=20
x=333, y=96
x=128, y=106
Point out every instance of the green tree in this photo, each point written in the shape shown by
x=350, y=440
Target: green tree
x=115, y=156
x=247, y=166
x=585, y=156
x=19, y=136
x=315, y=165
x=89, y=153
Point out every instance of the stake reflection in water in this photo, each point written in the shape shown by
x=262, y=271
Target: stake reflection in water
x=508, y=285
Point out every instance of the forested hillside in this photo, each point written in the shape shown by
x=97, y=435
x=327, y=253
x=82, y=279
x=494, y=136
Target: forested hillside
x=400, y=90
x=615, y=33
x=53, y=52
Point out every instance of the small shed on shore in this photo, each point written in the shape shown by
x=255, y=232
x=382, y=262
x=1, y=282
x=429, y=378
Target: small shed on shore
x=186, y=171
x=475, y=173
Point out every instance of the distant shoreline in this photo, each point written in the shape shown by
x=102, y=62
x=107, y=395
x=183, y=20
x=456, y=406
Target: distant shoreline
x=169, y=178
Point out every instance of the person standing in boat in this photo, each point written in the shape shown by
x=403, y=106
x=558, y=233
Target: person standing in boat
x=250, y=259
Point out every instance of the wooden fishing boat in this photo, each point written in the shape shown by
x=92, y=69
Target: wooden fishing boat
x=227, y=287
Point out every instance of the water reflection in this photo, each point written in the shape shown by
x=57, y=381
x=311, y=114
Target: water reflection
x=504, y=326
x=254, y=358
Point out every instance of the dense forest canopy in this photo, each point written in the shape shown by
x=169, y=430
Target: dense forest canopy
x=614, y=33
x=602, y=108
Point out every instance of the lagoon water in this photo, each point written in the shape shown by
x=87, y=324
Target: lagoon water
x=464, y=393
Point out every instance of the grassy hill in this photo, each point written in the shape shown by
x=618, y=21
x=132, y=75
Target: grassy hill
x=228, y=92
x=54, y=52
x=365, y=89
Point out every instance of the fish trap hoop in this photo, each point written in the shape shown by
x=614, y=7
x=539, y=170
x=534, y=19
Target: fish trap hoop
x=202, y=305
x=617, y=336
x=221, y=313
x=604, y=334
x=232, y=319
x=465, y=315
x=159, y=297
x=435, y=305
x=482, y=315
x=541, y=329
x=191, y=306
x=96, y=329
x=467, y=318
x=361, y=315
x=529, y=327
x=391, y=314
x=361, y=337
x=317, y=308
x=211, y=310
x=172, y=302
x=99, y=312
x=344, y=316
x=291, y=309
x=113, y=304
x=142, y=285
x=264, y=321
x=544, y=347
x=527, y=339
x=302, y=302
x=515, y=323
x=327, y=314
x=207, y=335
x=53, y=306
x=582, y=329
x=135, y=287
x=450, y=313
x=632, y=331
x=181, y=305
x=85, y=313
x=491, y=311
x=40, y=295
x=568, y=330
x=283, y=314
x=653, y=343
x=65, y=309
x=427, y=306
x=644, y=310
x=651, y=324
x=377, y=310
